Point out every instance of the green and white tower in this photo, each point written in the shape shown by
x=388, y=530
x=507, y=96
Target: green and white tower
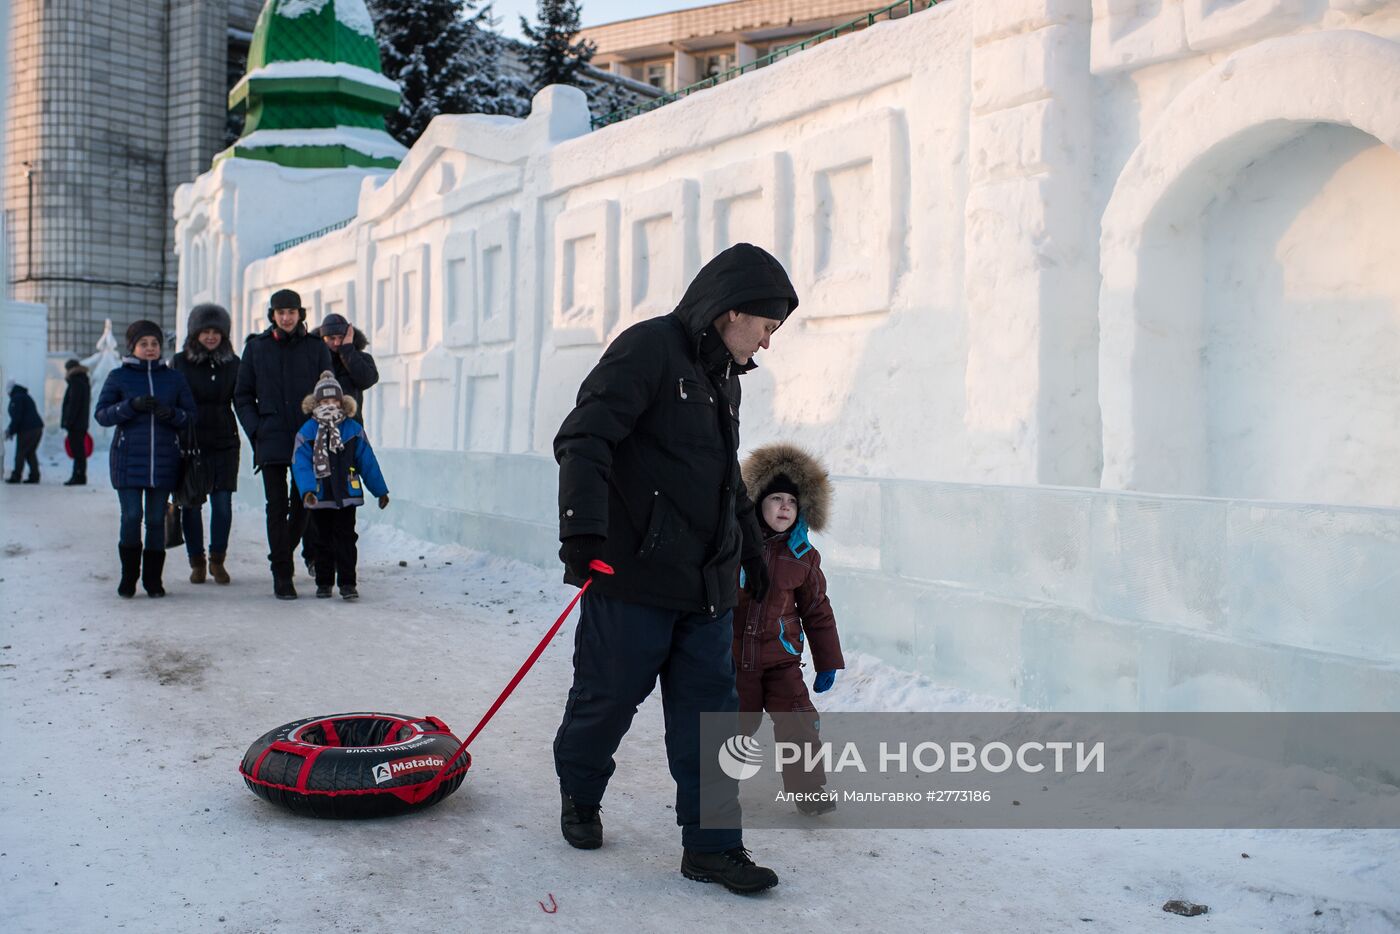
x=314, y=95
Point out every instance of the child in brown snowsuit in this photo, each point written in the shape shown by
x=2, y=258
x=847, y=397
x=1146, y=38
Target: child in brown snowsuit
x=792, y=495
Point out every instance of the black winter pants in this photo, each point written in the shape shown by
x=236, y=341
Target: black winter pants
x=286, y=517
x=77, y=444
x=336, y=554
x=27, y=451
x=620, y=649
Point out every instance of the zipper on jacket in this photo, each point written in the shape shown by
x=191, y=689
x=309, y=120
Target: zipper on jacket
x=151, y=382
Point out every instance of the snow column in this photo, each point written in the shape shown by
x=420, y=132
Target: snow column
x=1031, y=247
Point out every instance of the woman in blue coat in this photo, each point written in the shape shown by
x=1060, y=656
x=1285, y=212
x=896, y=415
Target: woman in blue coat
x=148, y=403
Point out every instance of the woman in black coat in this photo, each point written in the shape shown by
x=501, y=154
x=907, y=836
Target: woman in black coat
x=211, y=368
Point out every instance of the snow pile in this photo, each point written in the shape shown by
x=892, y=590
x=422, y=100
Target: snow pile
x=373, y=143
x=310, y=68
x=351, y=13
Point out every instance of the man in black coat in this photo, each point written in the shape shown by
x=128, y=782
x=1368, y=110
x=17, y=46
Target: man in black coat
x=649, y=483
x=27, y=428
x=77, y=409
x=356, y=371
x=279, y=369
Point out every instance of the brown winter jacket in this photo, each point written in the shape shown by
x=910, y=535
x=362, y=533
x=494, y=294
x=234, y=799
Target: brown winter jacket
x=794, y=607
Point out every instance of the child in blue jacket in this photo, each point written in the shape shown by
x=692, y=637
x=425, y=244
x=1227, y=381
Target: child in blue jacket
x=333, y=464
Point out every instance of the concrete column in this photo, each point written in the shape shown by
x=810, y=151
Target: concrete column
x=685, y=71
x=744, y=54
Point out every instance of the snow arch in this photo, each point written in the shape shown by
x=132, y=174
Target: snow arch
x=1155, y=346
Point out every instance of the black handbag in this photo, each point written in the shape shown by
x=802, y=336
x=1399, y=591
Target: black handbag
x=174, y=529
x=192, y=489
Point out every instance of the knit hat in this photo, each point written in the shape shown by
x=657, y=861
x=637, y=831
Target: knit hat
x=208, y=315
x=71, y=363
x=781, y=483
x=285, y=298
x=334, y=325
x=327, y=387
x=143, y=328
x=775, y=308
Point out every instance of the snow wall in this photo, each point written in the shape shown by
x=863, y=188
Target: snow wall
x=1099, y=302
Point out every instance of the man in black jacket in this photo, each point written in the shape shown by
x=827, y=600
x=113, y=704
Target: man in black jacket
x=279, y=369
x=355, y=370
x=77, y=409
x=649, y=482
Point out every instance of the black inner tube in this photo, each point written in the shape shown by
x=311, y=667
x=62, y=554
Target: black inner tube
x=358, y=731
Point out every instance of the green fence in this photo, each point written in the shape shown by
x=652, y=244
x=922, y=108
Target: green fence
x=893, y=11
x=288, y=244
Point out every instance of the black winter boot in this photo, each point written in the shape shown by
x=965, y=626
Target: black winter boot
x=152, y=564
x=732, y=869
x=33, y=478
x=13, y=478
x=582, y=825
x=131, y=569
x=282, y=588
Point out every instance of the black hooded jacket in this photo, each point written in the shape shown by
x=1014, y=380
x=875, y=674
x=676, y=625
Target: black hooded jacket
x=278, y=370
x=77, y=402
x=354, y=369
x=648, y=457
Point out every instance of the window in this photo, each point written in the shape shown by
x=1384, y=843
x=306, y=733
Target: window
x=718, y=64
x=658, y=75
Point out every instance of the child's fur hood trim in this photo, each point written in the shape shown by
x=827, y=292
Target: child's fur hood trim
x=802, y=468
x=347, y=402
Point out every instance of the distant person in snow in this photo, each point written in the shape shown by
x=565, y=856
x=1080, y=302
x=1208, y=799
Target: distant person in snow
x=211, y=367
x=77, y=401
x=356, y=371
x=148, y=403
x=27, y=428
x=793, y=496
x=279, y=368
x=649, y=482
x=334, y=464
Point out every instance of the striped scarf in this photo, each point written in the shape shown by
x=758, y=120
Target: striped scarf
x=328, y=417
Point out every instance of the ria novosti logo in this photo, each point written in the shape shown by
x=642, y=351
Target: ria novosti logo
x=741, y=757
x=397, y=768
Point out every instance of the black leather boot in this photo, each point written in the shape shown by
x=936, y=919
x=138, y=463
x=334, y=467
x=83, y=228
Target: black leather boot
x=152, y=564
x=582, y=825
x=733, y=869
x=131, y=569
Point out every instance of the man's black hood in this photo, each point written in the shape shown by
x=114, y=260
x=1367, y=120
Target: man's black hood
x=742, y=273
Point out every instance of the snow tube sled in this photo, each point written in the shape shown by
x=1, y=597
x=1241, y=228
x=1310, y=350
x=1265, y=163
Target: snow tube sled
x=354, y=764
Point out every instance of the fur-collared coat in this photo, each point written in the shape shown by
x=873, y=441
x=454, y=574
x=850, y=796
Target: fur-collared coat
x=212, y=376
x=796, y=609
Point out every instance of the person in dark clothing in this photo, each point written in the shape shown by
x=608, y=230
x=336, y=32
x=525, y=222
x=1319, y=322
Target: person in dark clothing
x=148, y=403
x=27, y=427
x=649, y=482
x=77, y=405
x=280, y=367
x=211, y=367
x=334, y=463
x=355, y=371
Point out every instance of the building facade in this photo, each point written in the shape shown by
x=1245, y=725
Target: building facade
x=110, y=105
x=671, y=50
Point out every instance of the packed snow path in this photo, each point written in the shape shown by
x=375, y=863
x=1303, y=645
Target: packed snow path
x=123, y=809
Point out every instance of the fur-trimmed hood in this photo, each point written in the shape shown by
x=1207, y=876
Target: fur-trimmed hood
x=802, y=468
x=359, y=343
x=347, y=402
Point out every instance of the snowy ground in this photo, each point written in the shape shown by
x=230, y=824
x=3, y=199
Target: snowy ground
x=125, y=721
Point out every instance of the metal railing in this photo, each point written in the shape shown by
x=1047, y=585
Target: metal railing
x=288, y=244
x=893, y=11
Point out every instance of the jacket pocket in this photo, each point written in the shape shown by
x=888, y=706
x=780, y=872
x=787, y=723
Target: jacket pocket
x=695, y=413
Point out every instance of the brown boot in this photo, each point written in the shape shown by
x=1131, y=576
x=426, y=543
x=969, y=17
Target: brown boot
x=216, y=568
x=197, y=569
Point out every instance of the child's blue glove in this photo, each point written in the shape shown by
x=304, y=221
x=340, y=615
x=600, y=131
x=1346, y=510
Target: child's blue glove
x=825, y=679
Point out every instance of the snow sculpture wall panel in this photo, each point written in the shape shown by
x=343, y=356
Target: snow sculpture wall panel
x=1213, y=24
x=749, y=202
x=585, y=274
x=413, y=296
x=384, y=300
x=851, y=205
x=459, y=274
x=486, y=394
x=497, y=276
x=433, y=402
x=660, y=248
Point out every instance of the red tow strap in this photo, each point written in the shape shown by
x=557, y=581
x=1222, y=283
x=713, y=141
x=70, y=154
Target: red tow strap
x=428, y=787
